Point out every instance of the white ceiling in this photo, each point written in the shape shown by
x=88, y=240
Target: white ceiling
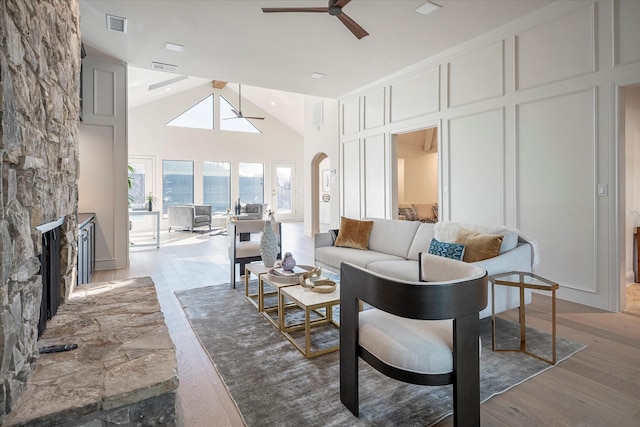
x=234, y=41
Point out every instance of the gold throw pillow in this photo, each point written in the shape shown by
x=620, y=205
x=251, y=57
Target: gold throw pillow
x=354, y=233
x=478, y=247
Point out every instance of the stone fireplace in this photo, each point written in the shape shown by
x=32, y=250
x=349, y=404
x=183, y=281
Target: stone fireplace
x=39, y=113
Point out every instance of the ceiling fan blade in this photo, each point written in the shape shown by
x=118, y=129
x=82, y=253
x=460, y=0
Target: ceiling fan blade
x=353, y=26
x=342, y=3
x=295, y=9
x=254, y=118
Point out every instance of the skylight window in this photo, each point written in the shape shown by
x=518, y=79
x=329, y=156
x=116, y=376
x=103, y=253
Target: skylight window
x=200, y=116
x=230, y=121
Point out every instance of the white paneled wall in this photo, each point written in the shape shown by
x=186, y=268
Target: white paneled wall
x=416, y=95
x=556, y=50
x=375, y=165
x=527, y=118
x=476, y=168
x=102, y=185
x=485, y=65
x=556, y=180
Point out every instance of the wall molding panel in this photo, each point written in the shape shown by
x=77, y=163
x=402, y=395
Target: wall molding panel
x=376, y=182
x=351, y=116
x=476, y=167
x=476, y=76
x=626, y=20
x=549, y=53
x=374, y=109
x=560, y=188
x=351, y=179
x=416, y=95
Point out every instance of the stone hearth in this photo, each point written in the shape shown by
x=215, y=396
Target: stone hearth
x=124, y=371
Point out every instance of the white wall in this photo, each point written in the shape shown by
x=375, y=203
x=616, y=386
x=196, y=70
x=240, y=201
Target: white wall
x=321, y=139
x=525, y=118
x=149, y=137
x=102, y=184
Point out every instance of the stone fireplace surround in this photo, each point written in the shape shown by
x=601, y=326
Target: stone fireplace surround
x=40, y=47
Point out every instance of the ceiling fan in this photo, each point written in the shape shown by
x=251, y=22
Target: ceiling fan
x=238, y=112
x=334, y=9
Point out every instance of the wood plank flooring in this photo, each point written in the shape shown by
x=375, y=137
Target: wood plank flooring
x=599, y=386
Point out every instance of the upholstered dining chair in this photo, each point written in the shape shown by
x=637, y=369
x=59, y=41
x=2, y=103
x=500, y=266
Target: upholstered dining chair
x=424, y=332
x=244, y=243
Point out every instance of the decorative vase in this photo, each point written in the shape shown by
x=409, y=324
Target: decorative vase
x=268, y=245
x=150, y=205
x=288, y=262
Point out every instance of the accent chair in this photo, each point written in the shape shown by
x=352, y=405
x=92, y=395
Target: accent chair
x=419, y=332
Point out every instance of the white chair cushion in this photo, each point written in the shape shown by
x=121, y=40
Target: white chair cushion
x=247, y=249
x=421, y=346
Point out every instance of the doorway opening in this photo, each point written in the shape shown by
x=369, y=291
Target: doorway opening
x=320, y=199
x=629, y=132
x=418, y=173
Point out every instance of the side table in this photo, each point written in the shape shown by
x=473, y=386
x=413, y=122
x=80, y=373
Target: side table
x=524, y=280
x=309, y=301
x=257, y=268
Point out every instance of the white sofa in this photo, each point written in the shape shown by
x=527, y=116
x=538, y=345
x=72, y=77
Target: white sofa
x=394, y=246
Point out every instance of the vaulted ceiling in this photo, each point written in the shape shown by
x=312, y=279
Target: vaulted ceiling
x=235, y=41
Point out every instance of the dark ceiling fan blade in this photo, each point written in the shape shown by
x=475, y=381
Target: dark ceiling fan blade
x=295, y=9
x=342, y=3
x=353, y=26
x=253, y=118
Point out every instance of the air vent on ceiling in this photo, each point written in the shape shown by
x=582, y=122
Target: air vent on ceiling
x=163, y=67
x=116, y=23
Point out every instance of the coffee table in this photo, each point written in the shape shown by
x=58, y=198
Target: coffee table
x=525, y=280
x=309, y=301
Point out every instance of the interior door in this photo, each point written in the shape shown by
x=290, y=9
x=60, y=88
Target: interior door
x=283, y=193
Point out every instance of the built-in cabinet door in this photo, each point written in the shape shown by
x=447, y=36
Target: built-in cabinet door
x=283, y=192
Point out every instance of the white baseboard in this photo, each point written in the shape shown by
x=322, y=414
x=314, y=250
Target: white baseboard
x=630, y=277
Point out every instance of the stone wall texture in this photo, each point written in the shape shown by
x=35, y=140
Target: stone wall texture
x=39, y=111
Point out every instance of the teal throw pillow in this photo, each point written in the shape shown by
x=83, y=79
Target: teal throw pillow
x=447, y=250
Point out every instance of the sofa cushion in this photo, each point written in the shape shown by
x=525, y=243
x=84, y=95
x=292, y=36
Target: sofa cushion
x=447, y=250
x=409, y=214
x=421, y=241
x=447, y=231
x=354, y=233
x=479, y=246
x=392, y=236
x=332, y=256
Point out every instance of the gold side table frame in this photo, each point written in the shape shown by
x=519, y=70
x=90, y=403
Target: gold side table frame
x=259, y=269
x=309, y=301
x=524, y=280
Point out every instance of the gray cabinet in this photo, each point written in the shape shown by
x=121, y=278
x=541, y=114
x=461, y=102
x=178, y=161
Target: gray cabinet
x=86, y=247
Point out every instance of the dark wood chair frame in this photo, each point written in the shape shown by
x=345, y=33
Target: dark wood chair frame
x=461, y=301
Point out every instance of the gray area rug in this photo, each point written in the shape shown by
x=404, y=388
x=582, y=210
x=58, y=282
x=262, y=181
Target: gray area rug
x=273, y=384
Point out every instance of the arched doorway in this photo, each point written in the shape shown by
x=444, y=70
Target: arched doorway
x=316, y=187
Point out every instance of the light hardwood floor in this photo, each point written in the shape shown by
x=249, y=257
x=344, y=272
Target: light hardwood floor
x=599, y=386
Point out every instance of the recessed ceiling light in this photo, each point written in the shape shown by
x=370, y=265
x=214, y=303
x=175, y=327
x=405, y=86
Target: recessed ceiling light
x=273, y=103
x=427, y=8
x=315, y=75
x=174, y=47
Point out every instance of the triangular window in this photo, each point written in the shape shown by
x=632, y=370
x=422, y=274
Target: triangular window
x=230, y=121
x=200, y=116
